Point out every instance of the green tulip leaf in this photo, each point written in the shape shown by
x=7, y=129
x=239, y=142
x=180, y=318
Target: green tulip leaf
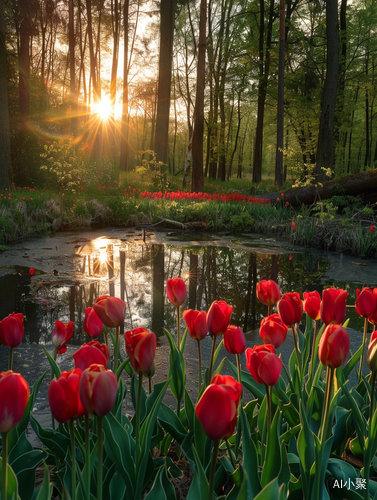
x=202, y=443
x=55, y=368
x=306, y=451
x=189, y=410
x=117, y=486
x=56, y=442
x=134, y=389
x=176, y=370
x=270, y=491
x=162, y=488
x=250, y=458
x=124, y=366
x=199, y=485
x=183, y=341
x=358, y=418
x=272, y=464
x=45, y=491
x=174, y=470
x=171, y=423
x=119, y=445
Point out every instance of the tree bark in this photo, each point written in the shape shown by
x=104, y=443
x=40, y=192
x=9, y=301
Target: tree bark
x=280, y=116
x=24, y=58
x=167, y=11
x=5, y=158
x=325, y=148
x=197, y=179
x=72, y=66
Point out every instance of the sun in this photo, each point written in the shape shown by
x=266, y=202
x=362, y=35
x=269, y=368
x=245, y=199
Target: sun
x=103, y=108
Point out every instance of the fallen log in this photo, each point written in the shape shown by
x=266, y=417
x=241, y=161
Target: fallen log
x=363, y=184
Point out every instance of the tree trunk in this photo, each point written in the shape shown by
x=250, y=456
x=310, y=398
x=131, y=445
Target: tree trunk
x=24, y=59
x=72, y=66
x=114, y=68
x=280, y=116
x=197, y=179
x=5, y=159
x=325, y=148
x=167, y=11
x=264, y=70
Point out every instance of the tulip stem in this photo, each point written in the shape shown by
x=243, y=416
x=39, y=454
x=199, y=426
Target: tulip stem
x=213, y=469
x=100, y=458
x=363, y=347
x=116, y=348
x=239, y=370
x=4, y=475
x=297, y=349
x=212, y=356
x=52, y=376
x=325, y=417
x=313, y=348
x=10, y=361
x=269, y=311
x=372, y=384
x=200, y=365
x=138, y=408
x=73, y=458
x=149, y=385
x=269, y=410
x=87, y=453
x=230, y=454
x=178, y=328
x=106, y=338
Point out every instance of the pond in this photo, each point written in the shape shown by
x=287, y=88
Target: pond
x=73, y=269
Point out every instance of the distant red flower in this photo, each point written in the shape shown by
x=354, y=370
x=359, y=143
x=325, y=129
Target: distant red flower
x=371, y=229
x=32, y=271
x=287, y=203
x=293, y=225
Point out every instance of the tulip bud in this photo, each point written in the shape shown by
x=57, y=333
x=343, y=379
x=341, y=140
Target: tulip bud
x=365, y=302
x=12, y=330
x=14, y=396
x=98, y=388
x=217, y=408
x=333, y=306
x=218, y=317
x=92, y=324
x=312, y=304
x=290, y=308
x=268, y=292
x=372, y=355
x=91, y=353
x=110, y=310
x=141, y=348
x=273, y=330
x=176, y=291
x=334, y=346
x=64, y=398
x=196, y=322
x=32, y=271
x=234, y=340
x=61, y=334
x=263, y=364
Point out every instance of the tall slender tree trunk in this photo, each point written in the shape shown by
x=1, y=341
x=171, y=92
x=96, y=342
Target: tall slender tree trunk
x=123, y=165
x=197, y=179
x=114, y=68
x=264, y=70
x=280, y=118
x=167, y=11
x=72, y=66
x=24, y=58
x=5, y=158
x=325, y=148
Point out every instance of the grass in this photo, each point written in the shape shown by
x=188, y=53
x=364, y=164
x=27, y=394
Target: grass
x=32, y=211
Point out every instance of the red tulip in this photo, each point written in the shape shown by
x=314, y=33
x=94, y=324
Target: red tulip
x=98, y=388
x=31, y=271
x=290, y=308
x=263, y=364
x=64, y=398
x=196, y=322
x=365, y=302
x=371, y=229
x=92, y=324
x=110, y=310
x=312, y=304
x=293, y=225
x=273, y=330
x=234, y=340
x=217, y=408
x=91, y=353
x=141, y=348
x=334, y=346
x=12, y=330
x=176, y=291
x=268, y=292
x=14, y=395
x=218, y=317
x=333, y=305
x=62, y=333
x=373, y=317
